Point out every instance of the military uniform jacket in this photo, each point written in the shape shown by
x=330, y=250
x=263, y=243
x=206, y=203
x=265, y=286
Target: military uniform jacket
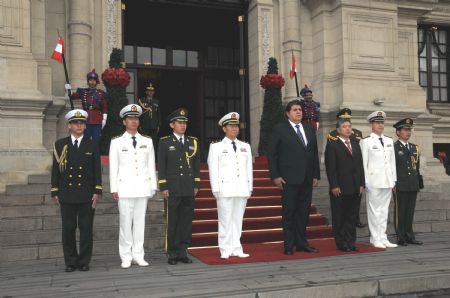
x=356, y=134
x=93, y=102
x=76, y=172
x=379, y=161
x=179, y=165
x=408, y=165
x=231, y=173
x=151, y=115
x=132, y=170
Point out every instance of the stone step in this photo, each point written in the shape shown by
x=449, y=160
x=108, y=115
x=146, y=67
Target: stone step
x=28, y=189
x=54, y=222
x=52, y=251
x=18, y=238
x=22, y=200
x=39, y=179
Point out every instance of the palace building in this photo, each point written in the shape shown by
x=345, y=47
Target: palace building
x=209, y=55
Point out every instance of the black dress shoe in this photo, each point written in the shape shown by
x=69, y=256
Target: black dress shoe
x=353, y=248
x=344, y=248
x=414, y=241
x=70, y=268
x=307, y=249
x=288, y=252
x=402, y=243
x=172, y=261
x=185, y=260
x=84, y=268
x=360, y=225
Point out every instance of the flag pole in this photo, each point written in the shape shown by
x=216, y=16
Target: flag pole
x=294, y=70
x=69, y=92
x=296, y=83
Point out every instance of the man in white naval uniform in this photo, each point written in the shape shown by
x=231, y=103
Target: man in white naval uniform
x=230, y=166
x=380, y=175
x=133, y=181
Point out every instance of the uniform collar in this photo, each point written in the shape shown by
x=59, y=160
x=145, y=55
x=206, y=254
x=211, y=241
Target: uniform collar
x=129, y=135
x=177, y=136
x=403, y=142
x=228, y=141
x=79, y=139
x=374, y=135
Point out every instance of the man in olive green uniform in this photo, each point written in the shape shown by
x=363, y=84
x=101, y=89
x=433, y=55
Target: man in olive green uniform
x=179, y=178
x=346, y=113
x=150, y=119
x=407, y=185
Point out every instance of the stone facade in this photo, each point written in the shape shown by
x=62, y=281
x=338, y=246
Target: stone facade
x=351, y=52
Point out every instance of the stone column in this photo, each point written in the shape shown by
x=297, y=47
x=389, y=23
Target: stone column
x=291, y=43
x=21, y=102
x=80, y=36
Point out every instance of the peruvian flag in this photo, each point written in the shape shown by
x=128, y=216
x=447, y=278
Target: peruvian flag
x=293, y=67
x=59, y=50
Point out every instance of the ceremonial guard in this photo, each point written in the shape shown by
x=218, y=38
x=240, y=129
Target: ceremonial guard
x=230, y=166
x=93, y=101
x=346, y=113
x=343, y=161
x=150, y=119
x=408, y=182
x=179, y=179
x=310, y=108
x=133, y=181
x=380, y=177
x=76, y=186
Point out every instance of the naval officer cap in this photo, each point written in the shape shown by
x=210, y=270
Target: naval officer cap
x=377, y=116
x=345, y=113
x=130, y=111
x=404, y=123
x=180, y=114
x=76, y=115
x=230, y=118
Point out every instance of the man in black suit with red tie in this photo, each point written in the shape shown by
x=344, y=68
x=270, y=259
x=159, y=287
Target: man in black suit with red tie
x=343, y=162
x=294, y=168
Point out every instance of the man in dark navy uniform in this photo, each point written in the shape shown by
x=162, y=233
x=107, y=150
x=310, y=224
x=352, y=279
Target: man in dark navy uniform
x=407, y=186
x=150, y=120
x=76, y=186
x=179, y=178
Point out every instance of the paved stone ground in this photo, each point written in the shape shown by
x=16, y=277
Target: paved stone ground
x=392, y=273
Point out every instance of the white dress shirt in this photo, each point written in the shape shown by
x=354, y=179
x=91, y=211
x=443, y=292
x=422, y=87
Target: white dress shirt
x=302, y=131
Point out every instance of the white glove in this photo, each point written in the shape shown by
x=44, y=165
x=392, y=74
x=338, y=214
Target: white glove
x=105, y=116
x=68, y=87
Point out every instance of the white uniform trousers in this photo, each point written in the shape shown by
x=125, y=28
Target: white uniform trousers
x=377, y=200
x=230, y=213
x=132, y=228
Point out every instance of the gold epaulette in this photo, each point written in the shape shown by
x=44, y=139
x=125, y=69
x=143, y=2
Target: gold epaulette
x=116, y=137
x=163, y=138
x=331, y=138
x=388, y=137
x=146, y=136
x=192, y=137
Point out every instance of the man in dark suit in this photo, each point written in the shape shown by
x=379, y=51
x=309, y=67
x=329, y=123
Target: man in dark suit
x=294, y=168
x=76, y=185
x=345, y=172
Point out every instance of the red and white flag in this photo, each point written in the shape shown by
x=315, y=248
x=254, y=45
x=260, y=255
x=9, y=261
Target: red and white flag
x=293, y=67
x=59, y=50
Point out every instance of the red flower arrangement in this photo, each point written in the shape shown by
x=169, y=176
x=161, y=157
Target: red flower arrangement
x=269, y=81
x=115, y=77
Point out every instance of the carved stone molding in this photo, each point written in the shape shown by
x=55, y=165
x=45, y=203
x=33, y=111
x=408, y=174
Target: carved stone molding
x=265, y=39
x=371, y=42
x=112, y=17
x=406, y=54
x=11, y=23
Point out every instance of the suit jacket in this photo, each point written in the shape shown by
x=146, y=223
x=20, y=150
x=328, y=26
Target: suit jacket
x=230, y=173
x=379, y=161
x=76, y=172
x=344, y=170
x=289, y=159
x=132, y=171
x=179, y=166
x=447, y=165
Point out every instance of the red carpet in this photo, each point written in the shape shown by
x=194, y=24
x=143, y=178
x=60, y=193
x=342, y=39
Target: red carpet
x=270, y=252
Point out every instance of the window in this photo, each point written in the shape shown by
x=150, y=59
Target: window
x=434, y=62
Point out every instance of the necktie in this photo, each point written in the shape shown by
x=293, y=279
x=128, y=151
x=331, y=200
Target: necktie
x=181, y=141
x=75, y=144
x=381, y=141
x=408, y=148
x=234, y=146
x=134, y=142
x=349, y=147
x=300, y=135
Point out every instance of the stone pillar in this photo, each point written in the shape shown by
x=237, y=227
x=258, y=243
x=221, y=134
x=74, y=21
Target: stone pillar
x=21, y=102
x=80, y=35
x=291, y=43
x=260, y=49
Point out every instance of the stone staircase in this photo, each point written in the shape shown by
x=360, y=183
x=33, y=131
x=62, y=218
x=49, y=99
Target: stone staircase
x=30, y=221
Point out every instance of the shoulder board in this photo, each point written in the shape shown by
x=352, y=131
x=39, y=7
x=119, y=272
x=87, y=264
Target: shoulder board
x=331, y=138
x=388, y=137
x=191, y=137
x=116, y=137
x=146, y=136
x=215, y=141
x=164, y=138
x=244, y=142
x=366, y=137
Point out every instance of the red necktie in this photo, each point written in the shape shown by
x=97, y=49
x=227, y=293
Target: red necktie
x=349, y=147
